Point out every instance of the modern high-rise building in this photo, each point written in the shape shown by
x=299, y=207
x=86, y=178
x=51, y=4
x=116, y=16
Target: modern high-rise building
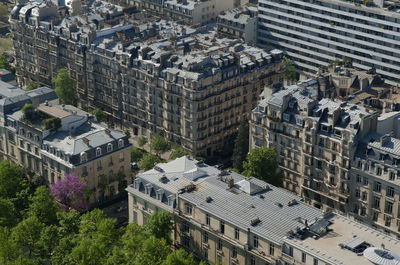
x=315, y=33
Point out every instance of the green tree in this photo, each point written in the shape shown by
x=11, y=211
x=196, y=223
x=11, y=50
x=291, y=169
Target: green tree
x=64, y=87
x=99, y=114
x=9, y=250
x=104, y=183
x=159, y=224
x=31, y=86
x=159, y=145
x=179, y=257
x=153, y=252
x=262, y=164
x=3, y=12
x=147, y=162
x=8, y=215
x=127, y=133
x=136, y=154
x=142, y=141
x=43, y=206
x=4, y=64
x=290, y=70
x=27, y=234
x=241, y=147
x=29, y=111
x=178, y=152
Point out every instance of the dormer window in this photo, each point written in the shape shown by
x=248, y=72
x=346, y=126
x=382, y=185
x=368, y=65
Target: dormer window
x=36, y=138
x=109, y=147
x=98, y=151
x=83, y=157
x=136, y=183
x=22, y=132
x=171, y=199
x=286, y=117
x=160, y=194
x=148, y=189
x=299, y=121
x=120, y=143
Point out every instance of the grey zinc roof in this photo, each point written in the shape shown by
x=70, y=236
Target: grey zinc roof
x=74, y=144
x=240, y=208
x=235, y=206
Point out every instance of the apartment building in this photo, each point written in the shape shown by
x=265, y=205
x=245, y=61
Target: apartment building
x=55, y=140
x=152, y=77
x=376, y=183
x=334, y=240
x=226, y=218
x=240, y=23
x=222, y=217
x=316, y=33
x=315, y=139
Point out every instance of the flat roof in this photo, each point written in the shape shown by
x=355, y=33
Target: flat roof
x=344, y=231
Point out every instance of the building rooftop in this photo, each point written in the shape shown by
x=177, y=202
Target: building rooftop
x=247, y=203
x=344, y=242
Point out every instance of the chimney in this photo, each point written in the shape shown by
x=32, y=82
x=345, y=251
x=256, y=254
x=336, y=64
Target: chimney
x=384, y=139
x=85, y=140
x=108, y=132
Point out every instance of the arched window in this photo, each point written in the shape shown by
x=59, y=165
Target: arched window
x=98, y=151
x=83, y=157
x=120, y=143
x=109, y=147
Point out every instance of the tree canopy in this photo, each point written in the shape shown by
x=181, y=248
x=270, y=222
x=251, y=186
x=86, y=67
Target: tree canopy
x=70, y=191
x=290, y=70
x=31, y=86
x=159, y=145
x=178, y=152
x=136, y=154
x=262, y=163
x=147, y=162
x=241, y=147
x=99, y=114
x=64, y=87
x=142, y=141
x=160, y=225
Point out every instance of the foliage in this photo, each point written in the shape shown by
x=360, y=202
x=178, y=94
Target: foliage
x=136, y=154
x=64, y=87
x=178, y=152
x=29, y=111
x=3, y=12
x=262, y=164
x=160, y=225
x=147, y=162
x=27, y=234
x=31, y=86
x=7, y=214
x=290, y=70
x=159, y=145
x=43, y=206
x=52, y=124
x=70, y=191
x=104, y=183
x=179, y=257
x=241, y=147
x=99, y=114
x=142, y=141
x=4, y=64
x=127, y=133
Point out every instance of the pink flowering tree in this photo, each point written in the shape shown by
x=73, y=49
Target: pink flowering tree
x=70, y=192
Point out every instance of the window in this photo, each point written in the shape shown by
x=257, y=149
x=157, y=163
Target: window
x=303, y=257
x=255, y=242
x=99, y=165
x=357, y=193
x=120, y=143
x=234, y=252
x=185, y=227
x=83, y=157
x=185, y=241
x=377, y=202
x=121, y=157
x=109, y=147
x=391, y=175
x=252, y=260
x=365, y=181
x=222, y=227
x=375, y=216
x=358, y=179
x=208, y=219
x=315, y=261
x=219, y=246
x=188, y=209
x=364, y=195
x=205, y=254
x=98, y=151
x=290, y=251
x=390, y=192
x=377, y=187
x=205, y=237
x=237, y=233
x=379, y=171
x=271, y=249
x=388, y=221
x=388, y=207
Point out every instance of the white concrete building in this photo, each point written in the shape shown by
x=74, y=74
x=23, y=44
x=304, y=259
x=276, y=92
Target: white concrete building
x=316, y=32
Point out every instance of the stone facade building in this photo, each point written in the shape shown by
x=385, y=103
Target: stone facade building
x=151, y=77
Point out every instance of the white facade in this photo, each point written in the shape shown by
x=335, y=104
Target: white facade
x=316, y=32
